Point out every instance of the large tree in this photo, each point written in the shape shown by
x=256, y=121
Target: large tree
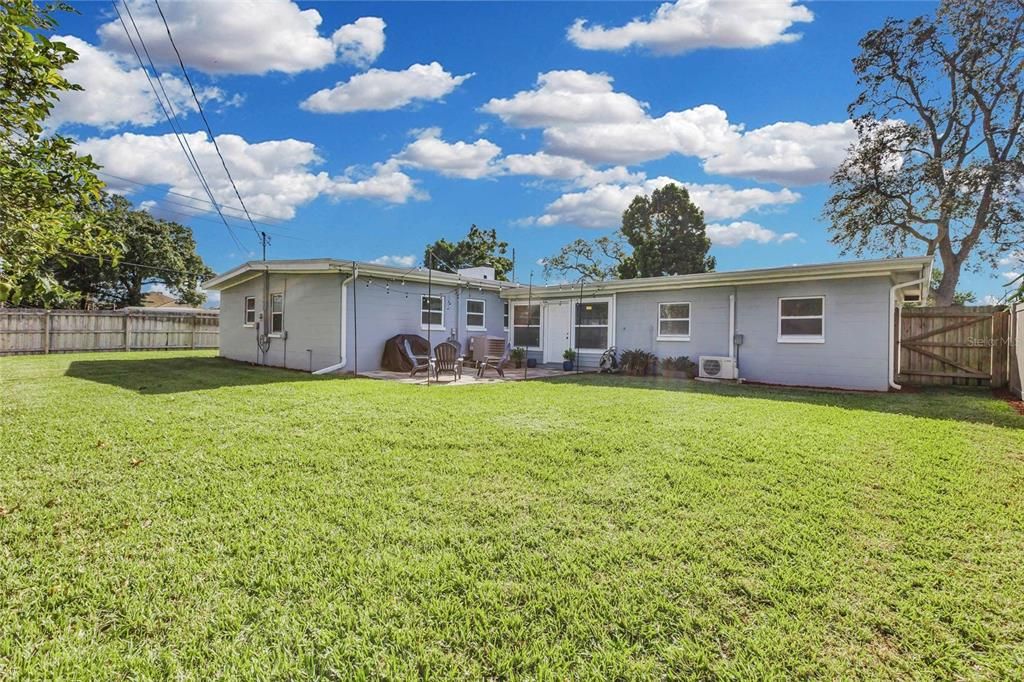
x=937, y=163
x=667, y=233
x=603, y=258
x=45, y=187
x=479, y=248
x=153, y=252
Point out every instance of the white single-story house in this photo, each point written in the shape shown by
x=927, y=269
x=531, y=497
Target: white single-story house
x=829, y=325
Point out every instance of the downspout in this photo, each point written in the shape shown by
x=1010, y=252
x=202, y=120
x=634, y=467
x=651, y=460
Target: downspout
x=892, y=331
x=732, y=326
x=343, y=328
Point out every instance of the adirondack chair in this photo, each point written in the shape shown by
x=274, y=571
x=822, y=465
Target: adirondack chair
x=419, y=362
x=496, y=356
x=447, y=359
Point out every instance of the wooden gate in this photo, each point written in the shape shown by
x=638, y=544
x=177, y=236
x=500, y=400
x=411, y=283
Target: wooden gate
x=955, y=345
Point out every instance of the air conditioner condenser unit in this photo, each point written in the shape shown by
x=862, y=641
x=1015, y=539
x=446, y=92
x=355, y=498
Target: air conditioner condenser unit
x=714, y=367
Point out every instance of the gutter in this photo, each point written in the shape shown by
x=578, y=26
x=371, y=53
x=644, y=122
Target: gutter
x=343, y=327
x=892, y=332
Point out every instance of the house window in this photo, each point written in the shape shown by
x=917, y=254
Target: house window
x=432, y=312
x=674, y=321
x=504, y=319
x=250, y=311
x=802, y=320
x=526, y=325
x=592, y=326
x=276, y=313
x=475, y=314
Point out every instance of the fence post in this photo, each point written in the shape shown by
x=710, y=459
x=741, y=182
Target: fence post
x=127, y=331
x=46, y=333
x=194, y=318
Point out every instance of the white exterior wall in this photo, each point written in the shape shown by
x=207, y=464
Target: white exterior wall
x=854, y=354
x=311, y=318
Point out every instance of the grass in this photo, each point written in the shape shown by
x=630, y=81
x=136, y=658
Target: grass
x=177, y=515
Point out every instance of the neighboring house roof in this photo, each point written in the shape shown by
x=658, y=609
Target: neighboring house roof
x=157, y=299
x=897, y=269
x=251, y=269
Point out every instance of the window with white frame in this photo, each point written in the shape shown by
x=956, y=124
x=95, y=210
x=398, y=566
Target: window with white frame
x=592, y=325
x=802, y=320
x=504, y=318
x=250, y=311
x=432, y=312
x=475, y=308
x=276, y=313
x=526, y=325
x=673, y=321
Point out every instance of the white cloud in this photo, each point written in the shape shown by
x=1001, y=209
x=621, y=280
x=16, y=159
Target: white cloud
x=699, y=131
x=361, y=42
x=688, y=25
x=601, y=206
x=381, y=90
x=735, y=233
x=553, y=167
x=583, y=118
x=240, y=37
x=385, y=183
x=396, y=261
x=116, y=94
x=454, y=159
x=793, y=152
x=1011, y=275
x=989, y=299
x=1012, y=259
x=567, y=97
x=275, y=177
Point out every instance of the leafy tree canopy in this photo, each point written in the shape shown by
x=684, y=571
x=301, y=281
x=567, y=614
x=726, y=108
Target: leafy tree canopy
x=939, y=121
x=667, y=233
x=45, y=187
x=600, y=259
x=153, y=252
x=479, y=248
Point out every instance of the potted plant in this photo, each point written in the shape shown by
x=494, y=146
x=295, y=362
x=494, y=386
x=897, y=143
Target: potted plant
x=569, y=355
x=518, y=354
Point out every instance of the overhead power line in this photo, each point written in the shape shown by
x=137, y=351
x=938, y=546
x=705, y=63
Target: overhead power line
x=202, y=114
x=196, y=199
x=170, y=115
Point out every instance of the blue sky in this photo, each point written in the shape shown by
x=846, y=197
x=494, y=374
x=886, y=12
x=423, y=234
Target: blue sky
x=366, y=130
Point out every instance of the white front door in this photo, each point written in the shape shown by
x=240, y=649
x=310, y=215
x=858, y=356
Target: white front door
x=557, y=327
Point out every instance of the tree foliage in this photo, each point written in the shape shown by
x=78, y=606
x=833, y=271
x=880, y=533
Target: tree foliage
x=479, y=248
x=938, y=161
x=45, y=187
x=152, y=252
x=667, y=233
x=603, y=258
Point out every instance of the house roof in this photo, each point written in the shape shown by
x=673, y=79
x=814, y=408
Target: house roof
x=247, y=271
x=897, y=269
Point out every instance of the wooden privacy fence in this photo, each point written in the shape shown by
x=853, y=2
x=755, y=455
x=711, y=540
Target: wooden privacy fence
x=955, y=345
x=24, y=331
x=1017, y=350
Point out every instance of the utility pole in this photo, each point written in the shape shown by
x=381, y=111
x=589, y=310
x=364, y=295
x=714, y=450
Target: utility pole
x=264, y=241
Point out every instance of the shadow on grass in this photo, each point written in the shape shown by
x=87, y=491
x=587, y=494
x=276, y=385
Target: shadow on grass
x=977, y=406
x=179, y=375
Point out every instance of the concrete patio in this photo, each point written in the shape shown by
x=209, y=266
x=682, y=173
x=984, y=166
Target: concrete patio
x=469, y=376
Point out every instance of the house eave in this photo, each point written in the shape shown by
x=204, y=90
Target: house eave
x=899, y=268
x=251, y=269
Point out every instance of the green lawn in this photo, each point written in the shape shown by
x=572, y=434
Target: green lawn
x=176, y=515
